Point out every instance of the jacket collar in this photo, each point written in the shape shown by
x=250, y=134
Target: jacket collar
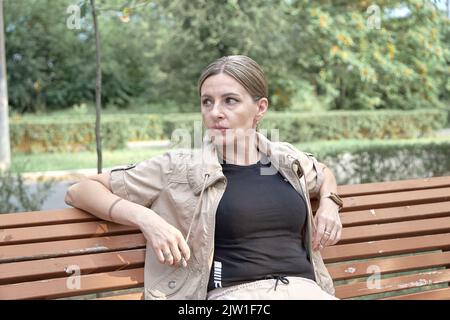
x=206, y=162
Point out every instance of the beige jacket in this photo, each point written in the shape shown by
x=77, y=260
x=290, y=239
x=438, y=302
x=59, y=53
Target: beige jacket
x=185, y=187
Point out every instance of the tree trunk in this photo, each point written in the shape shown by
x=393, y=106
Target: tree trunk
x=5, y=152
x=448, y=9
x=98, y=90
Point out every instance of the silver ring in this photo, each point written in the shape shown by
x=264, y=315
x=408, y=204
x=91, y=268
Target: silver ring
x=327, y=233
x=167, y=254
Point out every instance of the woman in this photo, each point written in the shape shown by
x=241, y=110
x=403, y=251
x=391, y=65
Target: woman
x=232, y=220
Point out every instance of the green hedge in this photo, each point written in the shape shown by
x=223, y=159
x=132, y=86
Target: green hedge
x=355, y=124
x=186, y=121
x=360, y=161
x=333, y=125
x=56, y=133
x=352, y=161
x=144, y=127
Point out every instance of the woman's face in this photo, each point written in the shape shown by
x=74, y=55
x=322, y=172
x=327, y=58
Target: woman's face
x=226, y=107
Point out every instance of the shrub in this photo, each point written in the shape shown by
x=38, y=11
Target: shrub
x=14, y=196
x=59, y=134
x=358, y=161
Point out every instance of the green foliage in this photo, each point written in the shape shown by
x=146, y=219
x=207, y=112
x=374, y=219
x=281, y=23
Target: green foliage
x=57, y=133
x=186, y=122
x=352, y=161
x=40, y=162
x=319, y=55
x=392, y=124
x=14, y=196
x=48, y=65
x=144, y=127
x=360, y=161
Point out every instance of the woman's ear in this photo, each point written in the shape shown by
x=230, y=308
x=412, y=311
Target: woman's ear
x=263, y=105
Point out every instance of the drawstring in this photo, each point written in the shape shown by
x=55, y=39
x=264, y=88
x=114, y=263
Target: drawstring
x=197, y=207
x=283, y=280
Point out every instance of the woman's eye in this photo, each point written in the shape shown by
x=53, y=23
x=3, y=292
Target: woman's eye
x=231, y=101
x=206, y=102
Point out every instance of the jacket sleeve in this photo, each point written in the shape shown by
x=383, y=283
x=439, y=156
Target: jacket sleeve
x=141, y=183
x=311, y=169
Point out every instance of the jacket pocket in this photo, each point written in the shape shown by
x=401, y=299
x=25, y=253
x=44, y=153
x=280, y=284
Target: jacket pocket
x=169, y=284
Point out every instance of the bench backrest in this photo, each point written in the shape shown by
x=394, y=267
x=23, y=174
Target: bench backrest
x=396, y=241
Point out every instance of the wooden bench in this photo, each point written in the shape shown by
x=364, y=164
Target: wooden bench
x=399, y=230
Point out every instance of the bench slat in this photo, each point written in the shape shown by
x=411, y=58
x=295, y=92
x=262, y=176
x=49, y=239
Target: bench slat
x=438, y=294
x=381, y=248
x=63, y=232
x=395, y=214
x=351, y=270
x=393, y=186
x=56, y=267
x=61, y=287
x=129, y=296
x=42, y=218
x=72, y=215
x=395, y=230
x=53, y=249
x=381, y=220
x=359, y=289
x=395, y=199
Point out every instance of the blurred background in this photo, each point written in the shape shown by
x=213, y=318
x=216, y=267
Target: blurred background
x=363, y=85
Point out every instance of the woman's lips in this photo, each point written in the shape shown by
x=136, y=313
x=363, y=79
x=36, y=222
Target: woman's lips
x=223, y=130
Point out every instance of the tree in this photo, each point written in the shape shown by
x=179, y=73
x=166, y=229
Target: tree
x=98, y=89
x=315, y=53
x=5, y=152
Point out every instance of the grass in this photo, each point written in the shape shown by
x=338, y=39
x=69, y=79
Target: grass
x=82, y=160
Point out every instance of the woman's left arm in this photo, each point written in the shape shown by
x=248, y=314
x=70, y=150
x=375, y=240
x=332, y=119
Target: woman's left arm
x=327, y=221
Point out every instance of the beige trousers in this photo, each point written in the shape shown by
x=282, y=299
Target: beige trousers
x=298, y=288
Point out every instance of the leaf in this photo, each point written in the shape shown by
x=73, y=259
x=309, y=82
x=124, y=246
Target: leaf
x=84, y=5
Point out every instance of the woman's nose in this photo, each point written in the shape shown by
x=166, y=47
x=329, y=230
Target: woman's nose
x=217, y=111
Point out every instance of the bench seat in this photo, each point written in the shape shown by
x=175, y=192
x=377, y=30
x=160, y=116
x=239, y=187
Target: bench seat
x=395, y=245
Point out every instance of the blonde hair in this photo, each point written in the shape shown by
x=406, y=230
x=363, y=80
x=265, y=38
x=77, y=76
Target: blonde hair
x=243, y=69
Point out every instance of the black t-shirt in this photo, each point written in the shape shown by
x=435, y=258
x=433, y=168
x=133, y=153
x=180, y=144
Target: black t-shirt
x=259, y=224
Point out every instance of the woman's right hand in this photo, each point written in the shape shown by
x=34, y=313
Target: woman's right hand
x=167, y=241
